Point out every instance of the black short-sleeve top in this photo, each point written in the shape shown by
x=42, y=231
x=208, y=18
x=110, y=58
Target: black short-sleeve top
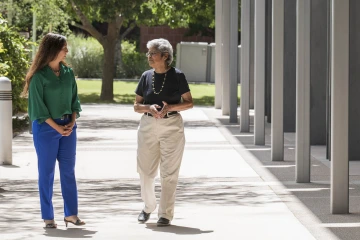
x=174, y=86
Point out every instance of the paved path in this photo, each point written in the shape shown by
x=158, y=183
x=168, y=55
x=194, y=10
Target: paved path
x=219, y=194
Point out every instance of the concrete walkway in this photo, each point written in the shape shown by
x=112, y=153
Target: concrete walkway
x=227, y=187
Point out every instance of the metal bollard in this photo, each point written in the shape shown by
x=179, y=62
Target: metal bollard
x=6, y=133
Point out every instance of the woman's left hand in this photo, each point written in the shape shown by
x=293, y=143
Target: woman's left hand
x=70, y=125
x=164, y=110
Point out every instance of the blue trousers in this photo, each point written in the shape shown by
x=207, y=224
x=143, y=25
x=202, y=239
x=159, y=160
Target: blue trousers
x=51, y=145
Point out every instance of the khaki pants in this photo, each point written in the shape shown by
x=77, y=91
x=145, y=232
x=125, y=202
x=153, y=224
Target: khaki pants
x=160, y=141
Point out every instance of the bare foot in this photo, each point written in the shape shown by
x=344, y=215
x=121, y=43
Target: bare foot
x=72, y=218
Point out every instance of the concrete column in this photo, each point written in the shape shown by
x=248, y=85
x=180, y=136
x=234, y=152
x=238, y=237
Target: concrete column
x=328, y=86
x=252, y=33
x=339, y=201
x=302, y=148
x=259, y=73
x=319, y=70
x=245, y=66
x=354, y=75
x=277, y=113
x=218, y=40
x=225, y=60
x=268, y=55
x=289, y=65
x=233, y=60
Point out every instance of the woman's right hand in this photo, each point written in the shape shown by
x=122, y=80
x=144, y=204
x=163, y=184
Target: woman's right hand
x=153, y=110
x=64, y=131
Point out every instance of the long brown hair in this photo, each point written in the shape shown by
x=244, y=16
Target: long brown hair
x=49, y=48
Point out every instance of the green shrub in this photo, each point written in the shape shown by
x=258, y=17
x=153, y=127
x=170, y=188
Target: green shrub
x=14, y=62
x=86, y=56
x=20, y=124
x=134, y=63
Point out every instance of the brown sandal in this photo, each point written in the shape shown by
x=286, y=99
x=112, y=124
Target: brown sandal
x=50, y=225
x=78, y=222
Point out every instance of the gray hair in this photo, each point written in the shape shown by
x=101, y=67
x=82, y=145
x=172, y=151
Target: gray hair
x=163, y=46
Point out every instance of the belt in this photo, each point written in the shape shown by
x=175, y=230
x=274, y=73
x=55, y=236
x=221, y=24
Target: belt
x=66, y=116
x=168, y=114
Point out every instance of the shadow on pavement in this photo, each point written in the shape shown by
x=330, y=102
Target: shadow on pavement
x=69, y=233
x=114, y=197
x=128, y=124
x=9, y=166
x=118, y=124
x=180, y=230
x=315, y=196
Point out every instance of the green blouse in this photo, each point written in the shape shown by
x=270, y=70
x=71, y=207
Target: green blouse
x=51, y=96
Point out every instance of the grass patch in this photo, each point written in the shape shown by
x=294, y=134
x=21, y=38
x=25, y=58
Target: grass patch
x=89, y=92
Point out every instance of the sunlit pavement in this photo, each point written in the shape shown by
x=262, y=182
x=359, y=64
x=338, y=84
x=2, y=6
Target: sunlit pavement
x=219, y=194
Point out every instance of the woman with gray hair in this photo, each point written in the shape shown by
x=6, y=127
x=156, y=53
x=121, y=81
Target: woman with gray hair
x=161, y=94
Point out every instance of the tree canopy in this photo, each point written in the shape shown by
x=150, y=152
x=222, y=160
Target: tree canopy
x=51, y=15
x=119, y=18
x=197, y=15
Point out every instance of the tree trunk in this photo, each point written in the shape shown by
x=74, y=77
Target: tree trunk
x=107, y=87
x=118, y=59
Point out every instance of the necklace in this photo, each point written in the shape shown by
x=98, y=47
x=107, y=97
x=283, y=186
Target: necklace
x=153, y=83
x=55, y=71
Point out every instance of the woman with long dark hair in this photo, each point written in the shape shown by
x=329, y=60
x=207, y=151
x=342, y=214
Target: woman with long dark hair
x=53, y=107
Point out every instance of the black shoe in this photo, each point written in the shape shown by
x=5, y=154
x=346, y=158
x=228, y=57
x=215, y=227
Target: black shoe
x=163, y=222
x=143, y=217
